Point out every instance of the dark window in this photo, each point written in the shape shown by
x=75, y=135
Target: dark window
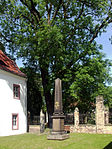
x=16, y=91
x=15, y=121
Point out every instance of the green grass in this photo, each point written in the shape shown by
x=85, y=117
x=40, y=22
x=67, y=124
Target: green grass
x=76, y=141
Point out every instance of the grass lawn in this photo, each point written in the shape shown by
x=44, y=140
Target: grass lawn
x=76, y=141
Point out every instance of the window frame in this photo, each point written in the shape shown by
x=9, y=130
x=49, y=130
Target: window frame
x=18, y=86
x=17, y=121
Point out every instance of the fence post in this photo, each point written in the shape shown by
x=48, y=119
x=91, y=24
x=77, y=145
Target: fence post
x=76, y=117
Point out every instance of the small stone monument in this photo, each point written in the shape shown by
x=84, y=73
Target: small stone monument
x=58, y=132
x=42, y=122
x=76, y=117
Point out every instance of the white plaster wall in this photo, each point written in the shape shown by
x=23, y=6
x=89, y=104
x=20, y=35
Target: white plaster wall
x=9, y=105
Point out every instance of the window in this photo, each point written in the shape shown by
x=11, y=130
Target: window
x=15, y=121
x=16, y=91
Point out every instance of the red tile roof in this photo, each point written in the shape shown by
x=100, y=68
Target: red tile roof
x=9, y=65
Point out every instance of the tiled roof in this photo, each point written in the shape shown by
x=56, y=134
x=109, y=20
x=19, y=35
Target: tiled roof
x=9, y=65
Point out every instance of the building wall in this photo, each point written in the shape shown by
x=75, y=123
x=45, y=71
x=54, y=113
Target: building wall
x=9, y=105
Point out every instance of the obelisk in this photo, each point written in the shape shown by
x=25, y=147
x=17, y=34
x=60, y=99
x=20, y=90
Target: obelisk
x=58, y=132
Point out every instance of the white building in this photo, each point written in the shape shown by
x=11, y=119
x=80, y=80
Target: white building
x=13, y=98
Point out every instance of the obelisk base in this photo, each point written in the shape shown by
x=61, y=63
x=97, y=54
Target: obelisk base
x=58, y=136
x=58, y=132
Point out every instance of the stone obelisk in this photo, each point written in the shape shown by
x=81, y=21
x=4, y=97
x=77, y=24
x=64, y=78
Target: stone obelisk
x=58, y=132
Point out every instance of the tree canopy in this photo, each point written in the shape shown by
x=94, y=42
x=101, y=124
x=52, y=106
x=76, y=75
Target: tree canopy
x=58, y=39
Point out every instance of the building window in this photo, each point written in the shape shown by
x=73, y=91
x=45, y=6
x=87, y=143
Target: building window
x=16, y=91
x=15, y=121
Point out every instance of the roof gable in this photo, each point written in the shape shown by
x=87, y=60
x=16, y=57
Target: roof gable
x=9, y=65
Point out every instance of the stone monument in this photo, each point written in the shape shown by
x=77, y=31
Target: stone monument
x=58, y=132
x=42, y=121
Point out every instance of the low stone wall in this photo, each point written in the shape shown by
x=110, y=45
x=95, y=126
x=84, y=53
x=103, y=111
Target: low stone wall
x=85, y=129
x=92, y=129
x=69, y=128
x=107, y=129
x=102, y=120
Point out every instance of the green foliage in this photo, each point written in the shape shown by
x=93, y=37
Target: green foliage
x=57, y=39
x=2, y=47
x=90, y=81
x=108, y=96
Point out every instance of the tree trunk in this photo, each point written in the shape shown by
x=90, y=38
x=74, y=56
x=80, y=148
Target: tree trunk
x=47, y=94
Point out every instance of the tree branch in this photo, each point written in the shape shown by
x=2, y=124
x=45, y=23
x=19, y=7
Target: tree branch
x=8, y=40
x=64, y=9
x=27, y=18
x=35, y=12
x=56, y=12
x=100, y=27
x=32, y=10
x=49, y=11
x=82, y=10
x=86, y=3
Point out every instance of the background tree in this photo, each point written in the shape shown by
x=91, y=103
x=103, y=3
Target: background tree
x=90, y=81
x=59, y=37
x=34, y=89
x=2, y=47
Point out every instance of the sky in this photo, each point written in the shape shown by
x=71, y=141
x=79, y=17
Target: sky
x=104, y=40
x=107, y=46
x=19, y=62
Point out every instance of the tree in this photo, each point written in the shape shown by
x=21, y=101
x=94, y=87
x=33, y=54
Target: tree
x=2, y=47
x=108, y=96
x=34, y=89
x=90, y=81
x=56, y=36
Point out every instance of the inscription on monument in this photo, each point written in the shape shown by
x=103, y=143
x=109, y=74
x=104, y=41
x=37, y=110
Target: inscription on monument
x=56, y=105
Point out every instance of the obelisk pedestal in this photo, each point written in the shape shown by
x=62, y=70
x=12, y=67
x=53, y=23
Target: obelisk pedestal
x=58, y=132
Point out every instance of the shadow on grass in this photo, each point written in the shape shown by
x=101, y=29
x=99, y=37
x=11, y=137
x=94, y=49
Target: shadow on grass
x=109, y=146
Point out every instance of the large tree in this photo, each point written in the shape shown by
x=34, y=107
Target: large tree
x=34, y=90
x=58, y=37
